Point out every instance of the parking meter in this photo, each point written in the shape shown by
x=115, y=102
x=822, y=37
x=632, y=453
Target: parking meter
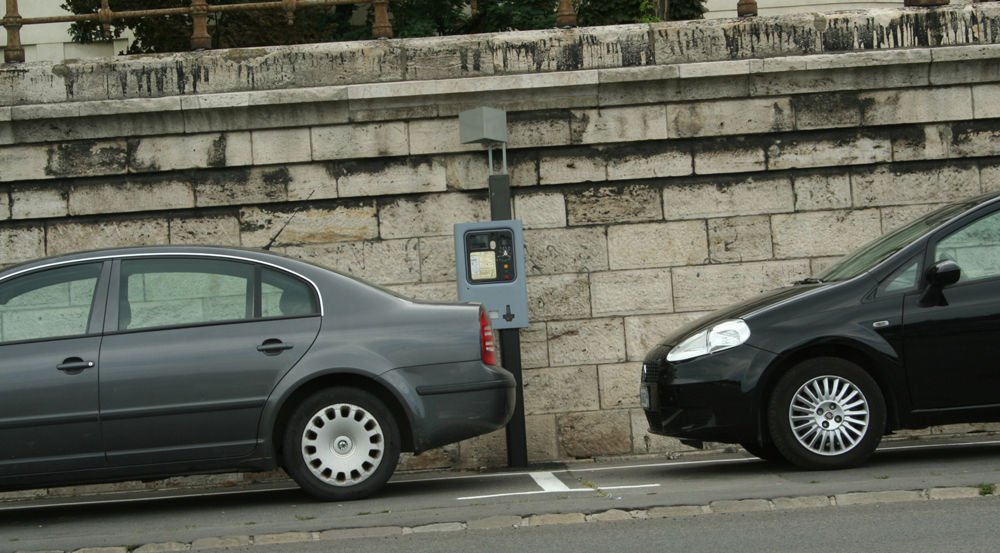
x=490, y=270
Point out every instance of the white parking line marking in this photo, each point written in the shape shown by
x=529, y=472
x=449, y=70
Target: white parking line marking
x=538, y=492
x=548, y=482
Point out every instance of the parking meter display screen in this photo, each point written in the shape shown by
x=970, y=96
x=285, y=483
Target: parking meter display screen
x=490, y=256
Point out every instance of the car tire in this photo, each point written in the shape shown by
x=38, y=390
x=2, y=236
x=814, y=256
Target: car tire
x=826, y=413
x=341, y=444
x=767, y=451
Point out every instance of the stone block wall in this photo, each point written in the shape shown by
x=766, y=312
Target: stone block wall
x=661, y=171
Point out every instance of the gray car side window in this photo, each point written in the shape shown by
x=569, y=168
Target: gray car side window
x=54, y=303
x=975, y=247
x=902, y=279
x=283, y=295
x=167, y=292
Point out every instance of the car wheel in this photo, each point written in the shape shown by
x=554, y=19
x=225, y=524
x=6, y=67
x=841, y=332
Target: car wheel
x=767, y=451
x=341, y=444
x=826, y=413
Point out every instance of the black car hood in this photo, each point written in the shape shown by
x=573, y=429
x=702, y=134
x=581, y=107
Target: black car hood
x=741, y=310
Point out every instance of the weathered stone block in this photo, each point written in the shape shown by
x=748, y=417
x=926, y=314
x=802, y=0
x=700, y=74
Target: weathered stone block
x=657, y=245
x=730, y=117
x=382, y=261
x=486, y=450
x=5, y=211
x=978, y=139
x=317, y=225
x=384, y=177
x=824, y=233
x=886, y=186
x=822, y=191
x=648, y=160
x=360, y=141
x=122, y=197
x=534, y=346
x=620, y=204
x=726, y=198
x=21, y=243
x=558, y=297
x=625, y=124
x=619, y=385
x=437, y=259
x=537, y=211
x=63, y=160
x=556, y=49
x=728, y=156
x=986, y=100
x=645, y=332
x=819, y=265
x=472, y=171
x=738, y=239
x=586, y=341
x=168, y=153
x=541, y=437
x=433, y=292
x=281, y=146
x=833, y=152
x=631, y=292
x=222, y=230
x=921, y=143
x=562, y=389
x=595, y=433
x=990, y=175
x=36, y=202
x=826, y=111
x=74, y=237
x=572, y=166
x=433, y=215
x=924, y=105
x=716, y=286
x=808, y=78
x=312, y=181
x=538, y=129
x=241, y=186
x=435, y=136
x=645, y=442
x=895, y=217
x=573, y=250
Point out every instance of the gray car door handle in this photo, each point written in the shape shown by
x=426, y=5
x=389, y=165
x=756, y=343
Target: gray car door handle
x=273, y=346
x=74, y=364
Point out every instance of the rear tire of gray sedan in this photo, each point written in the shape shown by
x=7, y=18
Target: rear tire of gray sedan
x=826, y=413
x=341, y=444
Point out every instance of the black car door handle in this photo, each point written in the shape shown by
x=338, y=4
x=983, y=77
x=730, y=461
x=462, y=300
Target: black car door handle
x=273, y=346
x=74, y=364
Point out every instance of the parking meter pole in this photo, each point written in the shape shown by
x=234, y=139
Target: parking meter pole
x=510, y=339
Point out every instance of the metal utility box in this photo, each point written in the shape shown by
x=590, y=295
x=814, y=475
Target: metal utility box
x=484, y=125
x=490, y=270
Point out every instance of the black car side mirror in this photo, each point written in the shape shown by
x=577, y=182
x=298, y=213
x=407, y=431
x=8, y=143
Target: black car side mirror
x=943, y=273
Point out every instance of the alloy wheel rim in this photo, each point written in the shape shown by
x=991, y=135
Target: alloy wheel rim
x=342, y=444
x=829, y=415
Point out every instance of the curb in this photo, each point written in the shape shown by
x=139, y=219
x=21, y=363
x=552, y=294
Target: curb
x=738, y=506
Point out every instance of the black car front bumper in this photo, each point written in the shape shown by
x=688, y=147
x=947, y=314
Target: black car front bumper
x=714, y=397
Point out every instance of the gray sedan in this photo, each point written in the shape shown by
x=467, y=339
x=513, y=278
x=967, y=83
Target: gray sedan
x=161, y=361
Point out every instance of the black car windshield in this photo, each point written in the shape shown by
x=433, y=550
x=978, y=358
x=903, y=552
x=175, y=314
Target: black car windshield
x=881, y=248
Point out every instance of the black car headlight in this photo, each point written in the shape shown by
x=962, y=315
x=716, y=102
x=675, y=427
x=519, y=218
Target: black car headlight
x=718, y=337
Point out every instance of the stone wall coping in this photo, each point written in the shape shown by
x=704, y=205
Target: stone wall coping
x=485, y=85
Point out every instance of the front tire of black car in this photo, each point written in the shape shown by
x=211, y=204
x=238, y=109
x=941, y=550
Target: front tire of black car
x=341, y=444
x=826, y=413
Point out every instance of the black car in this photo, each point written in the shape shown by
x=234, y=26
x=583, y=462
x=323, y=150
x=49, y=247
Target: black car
x=903, y=333
x=160, y=361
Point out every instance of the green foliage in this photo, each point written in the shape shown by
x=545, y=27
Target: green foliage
x=507, y=15
x=680, y=10
x=413, y=18
x=410, y=18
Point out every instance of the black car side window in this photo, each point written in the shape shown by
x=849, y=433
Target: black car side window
x=975, y=247
x=283, y=295
x=48, y=304
x=174, y=292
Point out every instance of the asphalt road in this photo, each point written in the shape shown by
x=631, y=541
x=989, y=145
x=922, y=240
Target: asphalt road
x=417, y=500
